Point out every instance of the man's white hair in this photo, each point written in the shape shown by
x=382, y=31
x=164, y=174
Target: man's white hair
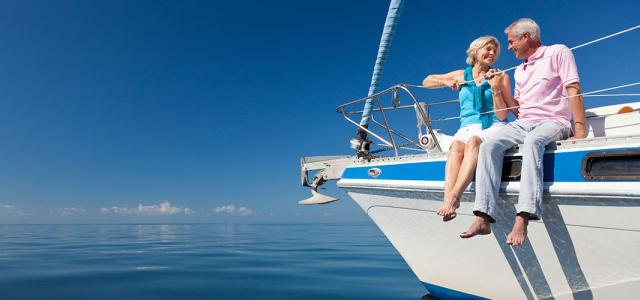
x=525, y=25
x=477, y=44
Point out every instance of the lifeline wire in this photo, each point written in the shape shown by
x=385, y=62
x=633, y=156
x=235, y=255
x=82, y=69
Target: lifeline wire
x=569, y=49
x=554, y=99
x=613, y=95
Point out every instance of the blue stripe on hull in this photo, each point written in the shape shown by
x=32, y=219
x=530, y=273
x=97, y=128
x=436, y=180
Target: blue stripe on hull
x=558, y=167
x=432, y=170
x=445, y=293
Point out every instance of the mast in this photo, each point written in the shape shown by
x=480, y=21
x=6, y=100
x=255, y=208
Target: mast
x=360, y=142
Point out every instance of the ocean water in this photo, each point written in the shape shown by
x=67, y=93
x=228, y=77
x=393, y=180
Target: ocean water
x=202, y=261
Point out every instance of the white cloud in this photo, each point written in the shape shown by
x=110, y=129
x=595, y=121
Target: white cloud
x=233, y=210
x=244, y=211
x=164, y=208
x=8, y=209
x=71, y=211
x=227, y=208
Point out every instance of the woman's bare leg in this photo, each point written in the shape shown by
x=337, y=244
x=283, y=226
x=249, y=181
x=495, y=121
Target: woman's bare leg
x=465, y=174
x=456, y=155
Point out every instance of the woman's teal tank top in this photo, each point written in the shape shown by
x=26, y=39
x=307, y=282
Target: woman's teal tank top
x=475, y=100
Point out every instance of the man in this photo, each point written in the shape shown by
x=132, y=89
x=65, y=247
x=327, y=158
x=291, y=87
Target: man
x=547, y=74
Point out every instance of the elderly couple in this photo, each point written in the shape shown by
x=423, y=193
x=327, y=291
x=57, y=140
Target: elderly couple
x=547, y=92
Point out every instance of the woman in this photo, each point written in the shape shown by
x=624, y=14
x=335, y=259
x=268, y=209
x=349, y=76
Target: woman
x=478, y=121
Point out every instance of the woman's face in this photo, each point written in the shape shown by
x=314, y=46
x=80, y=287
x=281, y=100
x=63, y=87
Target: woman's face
x=487, y=55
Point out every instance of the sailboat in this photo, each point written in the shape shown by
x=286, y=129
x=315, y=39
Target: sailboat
x=585, y=246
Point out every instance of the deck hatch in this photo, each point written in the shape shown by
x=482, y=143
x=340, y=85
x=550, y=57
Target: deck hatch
x=511, y=168
x=612, y=165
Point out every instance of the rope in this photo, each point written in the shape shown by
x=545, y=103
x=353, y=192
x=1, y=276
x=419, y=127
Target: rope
x=569, y=49
x=390, y=25
x=391, y=148
x=604, y=95
x=554, y=99
x=613, y=95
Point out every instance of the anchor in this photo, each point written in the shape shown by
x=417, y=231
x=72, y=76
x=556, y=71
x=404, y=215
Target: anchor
x=329, y=168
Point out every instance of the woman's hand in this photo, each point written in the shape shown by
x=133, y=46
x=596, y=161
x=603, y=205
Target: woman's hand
x=494, y=77
x=452, y=83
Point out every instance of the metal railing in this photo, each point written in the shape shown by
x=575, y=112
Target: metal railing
x=422, y=111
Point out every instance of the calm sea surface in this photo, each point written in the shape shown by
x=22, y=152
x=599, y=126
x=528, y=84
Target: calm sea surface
x=202, y=261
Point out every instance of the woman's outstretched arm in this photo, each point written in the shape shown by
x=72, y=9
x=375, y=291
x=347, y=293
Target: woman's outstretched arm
x=451, y=80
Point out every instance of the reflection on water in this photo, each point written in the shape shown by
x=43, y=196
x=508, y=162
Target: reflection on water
x=202, y=261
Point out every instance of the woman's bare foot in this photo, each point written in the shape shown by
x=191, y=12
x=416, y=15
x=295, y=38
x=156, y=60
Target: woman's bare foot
x=480, y=226
x=519, y=232
x=448, y=210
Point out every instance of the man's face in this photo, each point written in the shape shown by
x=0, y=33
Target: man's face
x=518, y=45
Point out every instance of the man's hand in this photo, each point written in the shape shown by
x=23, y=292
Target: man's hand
x=576, y=103
x=580, y=131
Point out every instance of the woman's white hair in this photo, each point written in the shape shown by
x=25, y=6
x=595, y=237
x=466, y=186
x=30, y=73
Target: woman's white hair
x=477, y=44
x=525, y=25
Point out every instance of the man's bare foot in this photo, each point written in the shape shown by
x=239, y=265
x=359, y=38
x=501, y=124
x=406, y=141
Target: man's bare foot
x=448, y=210
x=519, y=232
x=480, y=226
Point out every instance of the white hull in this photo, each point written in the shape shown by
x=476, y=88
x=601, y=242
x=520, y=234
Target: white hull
x=586, y=246
x=582, y=248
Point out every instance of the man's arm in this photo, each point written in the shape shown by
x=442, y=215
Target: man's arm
x=510, y=101
x=502, y=99
x=576, y=103
x=496, y=82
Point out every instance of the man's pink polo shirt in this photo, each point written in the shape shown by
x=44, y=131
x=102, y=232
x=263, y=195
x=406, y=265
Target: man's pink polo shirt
x=541, y=82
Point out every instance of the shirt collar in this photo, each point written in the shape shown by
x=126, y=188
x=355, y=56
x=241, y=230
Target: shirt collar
x=536, y=55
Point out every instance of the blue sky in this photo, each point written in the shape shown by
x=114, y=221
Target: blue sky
x=198, y=111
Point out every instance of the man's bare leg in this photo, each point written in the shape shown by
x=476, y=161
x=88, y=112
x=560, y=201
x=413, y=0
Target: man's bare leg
x=519, y=232
x=454, y=160
x=480, y=226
